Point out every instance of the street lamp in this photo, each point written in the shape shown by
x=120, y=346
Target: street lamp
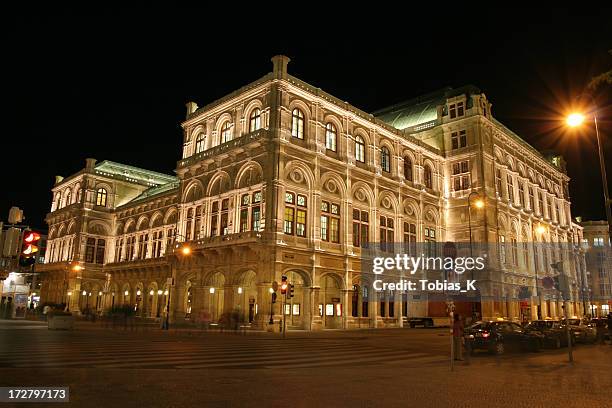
x=576, y=119
x=159, y=293
x=479, y=204
x=271, y=305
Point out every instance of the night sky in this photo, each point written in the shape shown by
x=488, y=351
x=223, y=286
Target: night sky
x=113, y=85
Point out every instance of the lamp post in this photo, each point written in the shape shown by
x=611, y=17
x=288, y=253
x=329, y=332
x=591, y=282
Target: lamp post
x=540, y=229
x=577, y=119
x=67, y=269
x=271, y=306
x=479, y=203
x=159, y=293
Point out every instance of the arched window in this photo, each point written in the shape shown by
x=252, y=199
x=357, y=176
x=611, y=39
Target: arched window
x=297, y=124
x=428, y=177
x=200, y=143
x=407, y=168
x=68, y=198
x=359, y=149
x=226, y=132
x=330, y=137
x=101, y=197
x=255, y=120
x=385, y=159
x=58, y=202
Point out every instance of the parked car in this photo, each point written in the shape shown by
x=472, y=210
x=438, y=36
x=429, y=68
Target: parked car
x=582, y=330
x=553, y=331
x=499, y=336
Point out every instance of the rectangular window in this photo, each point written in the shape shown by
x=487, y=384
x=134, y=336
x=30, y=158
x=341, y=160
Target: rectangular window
x=90, y=250
x=410, y=237
x=498, y=182
x=300, y=223
x=461, y=175
x=510, y=182
x=458, y=139
x=330, y=222
x=360, y=228
x=541, y=203
x=324, y=228
x=256, y=218
x=502, y=249
x=295, y=214
x=430, y=241
x=244, y=220
x=288, y=224
x=224, y=225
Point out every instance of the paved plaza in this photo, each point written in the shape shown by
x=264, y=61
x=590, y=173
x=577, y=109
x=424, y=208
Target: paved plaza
x=181, y=368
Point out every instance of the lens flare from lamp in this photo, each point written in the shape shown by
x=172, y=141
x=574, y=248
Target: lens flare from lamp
x=575, y=119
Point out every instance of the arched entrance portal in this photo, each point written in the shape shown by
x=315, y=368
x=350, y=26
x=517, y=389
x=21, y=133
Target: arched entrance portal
x=331, y=306
x=246, y=297
x=216, y=296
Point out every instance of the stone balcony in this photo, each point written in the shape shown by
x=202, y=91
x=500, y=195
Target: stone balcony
x=239, y=238
x=223, y=148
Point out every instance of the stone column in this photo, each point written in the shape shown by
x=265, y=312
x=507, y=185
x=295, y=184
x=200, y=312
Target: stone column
x=317, y=319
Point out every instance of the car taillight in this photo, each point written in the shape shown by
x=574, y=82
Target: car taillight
x=485, y=334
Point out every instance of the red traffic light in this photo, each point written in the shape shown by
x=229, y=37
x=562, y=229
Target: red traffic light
x=29, y=248
x=284, y=284
x=31, y=237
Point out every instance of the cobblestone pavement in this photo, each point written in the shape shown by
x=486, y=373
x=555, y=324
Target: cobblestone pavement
x=403, y=368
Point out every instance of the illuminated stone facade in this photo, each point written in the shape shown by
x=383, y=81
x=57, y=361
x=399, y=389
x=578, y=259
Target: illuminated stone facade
x=281, y=178
x=596, y=243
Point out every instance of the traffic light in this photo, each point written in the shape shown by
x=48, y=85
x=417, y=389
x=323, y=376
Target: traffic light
x=29, y=248
x=284, y=285
x=290, y=291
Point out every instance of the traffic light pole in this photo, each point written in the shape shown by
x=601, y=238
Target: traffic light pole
x=570, y=351
x=284, y=315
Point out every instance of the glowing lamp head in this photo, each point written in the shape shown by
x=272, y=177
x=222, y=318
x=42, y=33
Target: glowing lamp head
x=575, y=119
x=84, y=292
x=479, y=204
x=151, y=292
x=159, y=292
x=271, y=290
x=126, y=293
x=186, y=250
x=540, y=229
x=77, y=268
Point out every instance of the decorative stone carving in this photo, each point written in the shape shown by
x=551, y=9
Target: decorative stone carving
x=297, y=176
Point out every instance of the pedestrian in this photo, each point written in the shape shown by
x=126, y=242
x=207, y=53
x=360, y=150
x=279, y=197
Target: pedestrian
x=600, y=326
x=458, y=337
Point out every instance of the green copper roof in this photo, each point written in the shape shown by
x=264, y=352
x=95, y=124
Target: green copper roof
x=155, y=191
x=133, y=174
x=421, y=109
